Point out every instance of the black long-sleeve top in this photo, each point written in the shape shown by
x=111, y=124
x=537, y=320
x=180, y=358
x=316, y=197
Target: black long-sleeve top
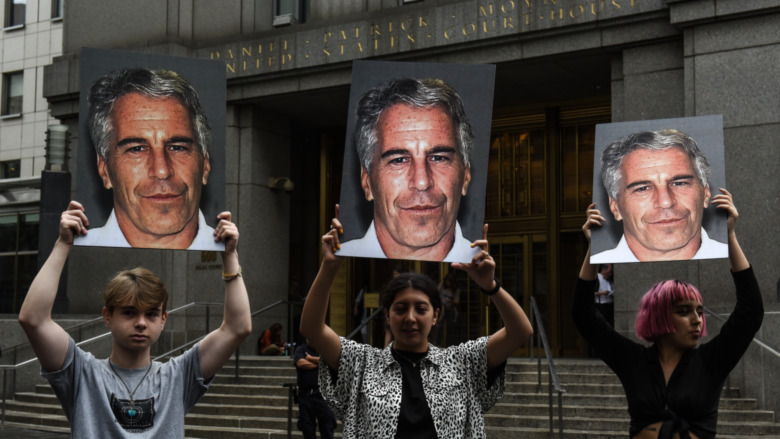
x=690, y=400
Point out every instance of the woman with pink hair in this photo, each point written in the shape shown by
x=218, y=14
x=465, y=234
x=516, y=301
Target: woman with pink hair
x=673, y=386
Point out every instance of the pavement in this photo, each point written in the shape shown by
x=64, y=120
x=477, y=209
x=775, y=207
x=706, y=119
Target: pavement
x=21, y=433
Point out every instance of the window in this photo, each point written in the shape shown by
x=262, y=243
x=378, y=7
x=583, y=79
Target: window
x=288, y=12
x=15, y=12
x=10, y=169
x=577, y=145
x=56, y=9
x=13, y=84
x=18, y=258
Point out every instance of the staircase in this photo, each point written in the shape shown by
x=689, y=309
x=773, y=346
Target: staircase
x=256, y=407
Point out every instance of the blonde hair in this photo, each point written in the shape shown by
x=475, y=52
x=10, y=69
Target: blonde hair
x=138, y=287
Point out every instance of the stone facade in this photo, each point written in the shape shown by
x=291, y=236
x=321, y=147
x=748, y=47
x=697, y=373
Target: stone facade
x=663, y=58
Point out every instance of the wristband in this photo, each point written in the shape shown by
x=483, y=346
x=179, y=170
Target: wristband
x=228, y=277
x=494, y=290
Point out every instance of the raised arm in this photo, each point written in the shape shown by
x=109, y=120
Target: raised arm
x=588, y=270
x=313, y=326
x=48, y=339
x=218, y=345
x=737, y=257
x=517, y=329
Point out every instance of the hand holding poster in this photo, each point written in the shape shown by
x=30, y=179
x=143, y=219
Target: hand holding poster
x=653, y=181
x=155, y=128
x=415, y=165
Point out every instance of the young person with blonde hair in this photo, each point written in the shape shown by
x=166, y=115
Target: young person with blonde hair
x=128, y=393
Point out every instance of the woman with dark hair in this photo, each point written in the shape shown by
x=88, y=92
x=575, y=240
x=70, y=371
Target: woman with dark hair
x=412, y=388
x=673, y=386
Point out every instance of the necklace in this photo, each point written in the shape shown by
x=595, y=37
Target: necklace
x=413, y=363
x=132, y=400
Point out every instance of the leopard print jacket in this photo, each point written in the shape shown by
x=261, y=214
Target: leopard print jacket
x=366, y=393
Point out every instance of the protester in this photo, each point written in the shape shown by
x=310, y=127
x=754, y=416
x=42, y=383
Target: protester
x=673, y=386
x=128, y=393
x=412, y=388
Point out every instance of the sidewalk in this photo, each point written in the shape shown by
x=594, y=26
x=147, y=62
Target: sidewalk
x=20, y=433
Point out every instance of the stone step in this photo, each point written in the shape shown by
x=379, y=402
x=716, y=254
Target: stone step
x=619, y=413
x=594, y=405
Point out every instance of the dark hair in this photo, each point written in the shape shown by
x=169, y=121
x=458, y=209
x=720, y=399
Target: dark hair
x=416, y=281
x=415, y=93
x=613, y=155
x=276, y=327
x=156, y=84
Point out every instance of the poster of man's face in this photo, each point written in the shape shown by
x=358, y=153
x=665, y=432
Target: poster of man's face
x=151, y=150
x=415, y=161
x=653, y=181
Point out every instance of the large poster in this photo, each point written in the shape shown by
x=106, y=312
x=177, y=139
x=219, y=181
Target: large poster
x=151, y=150
x=653, y=181
x=415, y=160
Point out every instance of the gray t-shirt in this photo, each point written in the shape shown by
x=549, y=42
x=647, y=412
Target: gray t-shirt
x=97, y=404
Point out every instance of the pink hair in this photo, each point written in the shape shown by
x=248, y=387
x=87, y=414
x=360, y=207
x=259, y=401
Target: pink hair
x=655, y=310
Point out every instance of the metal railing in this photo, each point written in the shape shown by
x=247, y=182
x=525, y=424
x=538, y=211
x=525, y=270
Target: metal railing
x=756, y=340
x=364, y=323
x=237, y=373
x=541, y=337
x=15, y=367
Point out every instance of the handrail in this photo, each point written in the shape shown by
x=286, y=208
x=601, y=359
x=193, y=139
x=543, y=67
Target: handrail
x=553, y=382
x=756, y=340
x=237, y=375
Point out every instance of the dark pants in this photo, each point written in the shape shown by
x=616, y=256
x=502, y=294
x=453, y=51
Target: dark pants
x=608, y=311
x=311, y=410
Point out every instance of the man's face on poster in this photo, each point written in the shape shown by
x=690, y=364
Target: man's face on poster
x=417, y=177
x=155, y=167
x=661, y=202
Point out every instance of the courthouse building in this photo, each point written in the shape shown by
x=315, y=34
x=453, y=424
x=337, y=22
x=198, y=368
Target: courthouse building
x=562, y=66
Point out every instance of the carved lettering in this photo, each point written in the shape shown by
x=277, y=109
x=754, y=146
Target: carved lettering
x=403, y=33
x=485, y=26
x=448, y=32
